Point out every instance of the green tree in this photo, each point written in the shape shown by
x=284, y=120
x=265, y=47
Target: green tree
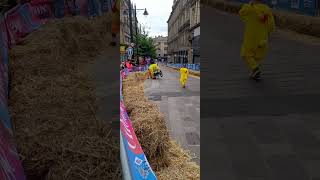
x=146, y=46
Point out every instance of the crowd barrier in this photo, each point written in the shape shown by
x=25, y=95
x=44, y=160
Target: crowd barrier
x=134, y=162
x=139, y=68
x=195, y=67
x=15, y=25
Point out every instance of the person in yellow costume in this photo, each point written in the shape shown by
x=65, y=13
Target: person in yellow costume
x=153, y=68
x=184, y=72
x=115, y=25
x=259, y=23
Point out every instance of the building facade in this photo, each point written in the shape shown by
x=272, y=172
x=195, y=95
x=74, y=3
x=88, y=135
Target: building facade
x=195, y=30
x=184, y=32
x=125, y=36
x=124, y=23
x=161, y=45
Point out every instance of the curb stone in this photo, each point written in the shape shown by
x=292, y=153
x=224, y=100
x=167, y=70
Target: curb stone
x=195, y=73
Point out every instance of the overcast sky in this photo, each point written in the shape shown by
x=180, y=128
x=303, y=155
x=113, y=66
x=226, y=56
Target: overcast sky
x=156, y=21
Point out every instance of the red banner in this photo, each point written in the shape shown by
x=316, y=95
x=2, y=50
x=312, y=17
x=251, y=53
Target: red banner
x=17, y=26
x=83, y=5
x=40, y=2
x=4, y=38
x=10, y=165
x=4, y=45
x=3, y=84
x=41, y=11
x=127, y=130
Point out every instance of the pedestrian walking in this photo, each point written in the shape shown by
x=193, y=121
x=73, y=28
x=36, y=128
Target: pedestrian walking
x=259, y=23
x=115, y=25
x=184, y=73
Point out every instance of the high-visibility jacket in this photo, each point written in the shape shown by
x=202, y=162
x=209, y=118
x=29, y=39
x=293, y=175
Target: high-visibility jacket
x=153, y=67
x=259, y=23
x=184, y=72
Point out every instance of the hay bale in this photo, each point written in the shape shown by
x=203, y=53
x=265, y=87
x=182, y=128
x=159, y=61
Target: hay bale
x=166, y=158
x=53, y=104
x=147, y=121
x=180, y=165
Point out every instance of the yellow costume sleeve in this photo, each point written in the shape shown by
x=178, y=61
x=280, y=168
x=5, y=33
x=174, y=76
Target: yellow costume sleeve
x=271, y=23
x=156, y=67
x=245, y=12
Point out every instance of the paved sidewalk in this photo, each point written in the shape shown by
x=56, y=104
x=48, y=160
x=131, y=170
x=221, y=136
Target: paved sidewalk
x=259, y=131
x=181, y=107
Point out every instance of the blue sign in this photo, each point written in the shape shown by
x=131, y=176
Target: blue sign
x=130, y=51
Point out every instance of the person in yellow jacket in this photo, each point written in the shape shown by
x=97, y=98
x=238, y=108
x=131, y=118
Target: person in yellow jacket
x=184, y=72
x=115, y=24
x=259, y=23
x=153, y=68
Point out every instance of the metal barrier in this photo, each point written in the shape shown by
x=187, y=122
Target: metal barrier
x=135, y=165
x=194, y=67
x=124, y=161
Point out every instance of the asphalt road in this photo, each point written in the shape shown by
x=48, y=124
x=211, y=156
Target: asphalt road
x=258, y=131
x=181, y=107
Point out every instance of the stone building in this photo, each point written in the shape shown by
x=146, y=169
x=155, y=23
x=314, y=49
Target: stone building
x=195, y=30
x=161, y=45
x=184, y=32
x=125, y=36
x=124, y=23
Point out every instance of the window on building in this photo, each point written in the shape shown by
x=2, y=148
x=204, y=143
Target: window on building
x=194, y=16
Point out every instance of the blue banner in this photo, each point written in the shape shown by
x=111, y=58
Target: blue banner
x=137, y=161
x=26, y=15
x=194, y=67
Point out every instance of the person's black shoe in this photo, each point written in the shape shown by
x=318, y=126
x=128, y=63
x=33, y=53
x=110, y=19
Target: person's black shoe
x=256, y=74
x=257, y=78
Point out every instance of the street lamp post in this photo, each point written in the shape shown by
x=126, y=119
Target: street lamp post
x=137, y=45
x=136, y=23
